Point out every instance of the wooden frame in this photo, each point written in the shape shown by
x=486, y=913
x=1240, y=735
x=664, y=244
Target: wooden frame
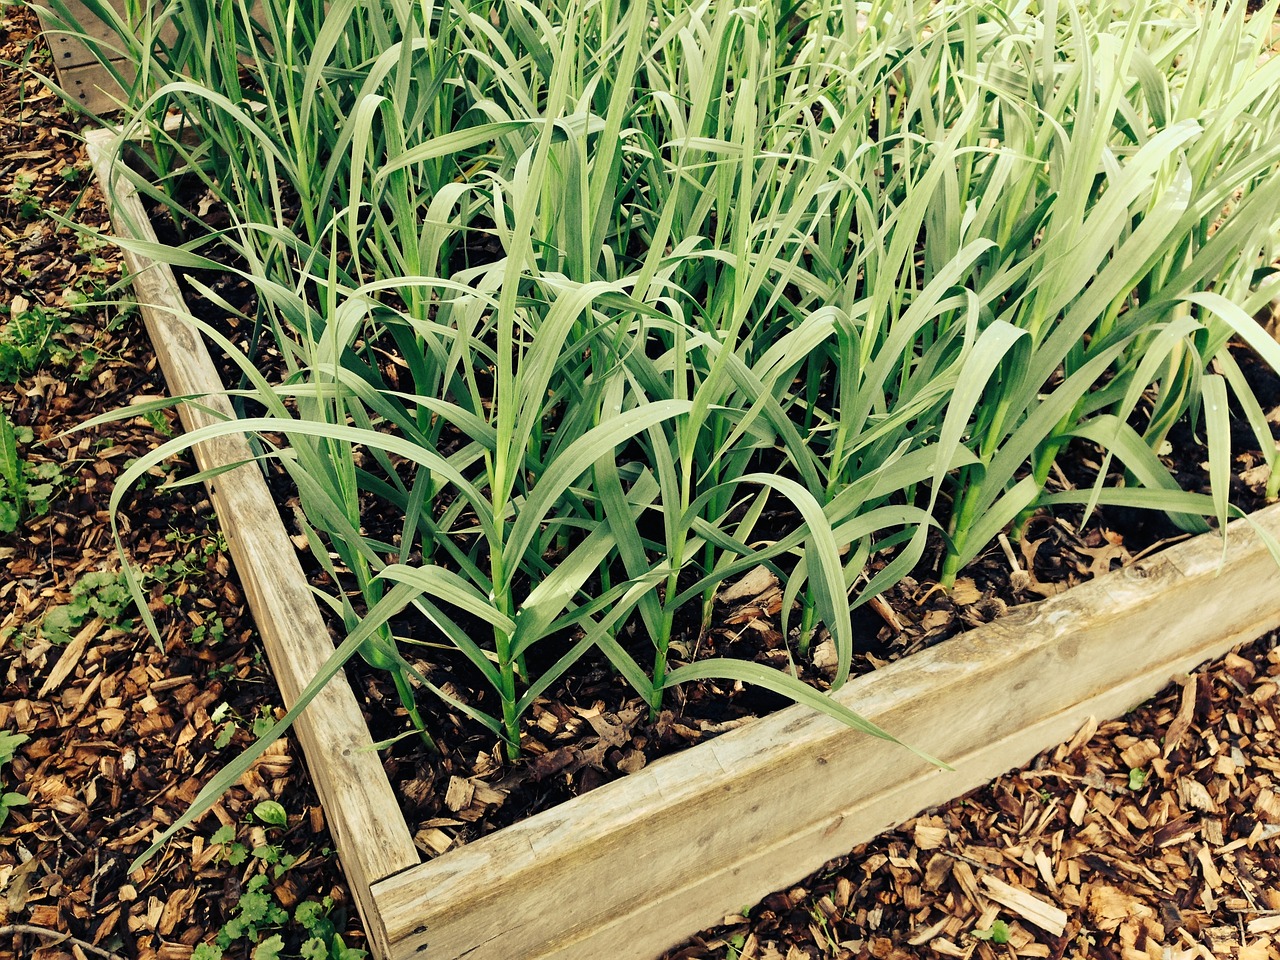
x=639, y=864
x=78, y=70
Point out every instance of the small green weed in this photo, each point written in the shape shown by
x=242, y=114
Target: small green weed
x=211, y=630
x=998, y=933
x=159, y=423
x=22, y=196
x=106, y=594
x=259, y=916
x=28, y=338
x=73, y=173
x=235, y=853
x=26, y=489
x=96, y=594
x=230, y=721
x=193, y=561
x=9, y=743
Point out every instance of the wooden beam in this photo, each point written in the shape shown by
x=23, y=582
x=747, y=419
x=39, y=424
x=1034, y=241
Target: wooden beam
x=637, y=865
x=372, y=838
x=93, y=87
x=68, y=44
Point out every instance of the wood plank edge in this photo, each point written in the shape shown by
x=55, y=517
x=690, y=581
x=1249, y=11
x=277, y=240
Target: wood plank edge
x=792, y=857
x=1115, y=595
x=92, y=87
x=351, y=803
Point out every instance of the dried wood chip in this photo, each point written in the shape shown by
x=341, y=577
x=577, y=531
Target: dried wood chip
x=1264, y=924
x=963, y=875
x=1176, y=831
x=1186, y=712
x=486, y=794
x=1079, y=807
x=1028, y=906
x=1223, y=940
x=433, y=841
x=937, y=871
x=929, y=836
x=1267, y=806
x=1045, y=868
x=1109, y=906
x=965, y=592
x=1208, y=870
x=459, y=794
x=926, y=934
x=1192, y=793
x=631, y=761
x=71, y=655
x=753, y=583
x=885, y=612
x=1136, y=756
x=825, y=656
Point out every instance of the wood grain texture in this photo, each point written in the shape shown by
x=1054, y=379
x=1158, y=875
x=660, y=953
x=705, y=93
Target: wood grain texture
x=363, y=816
x=77, y=68
x=636, y=866
x=67, y=42
x=92, y=86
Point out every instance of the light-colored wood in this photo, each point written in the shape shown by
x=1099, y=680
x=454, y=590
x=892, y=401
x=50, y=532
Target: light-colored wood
x=1052, y=919
x=633, y=867
x=67, y=42
x=370, y=833
x=78, y=69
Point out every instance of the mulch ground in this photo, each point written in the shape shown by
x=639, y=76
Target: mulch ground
x=1152, y=837
x=1148, y=837
x=121, y=731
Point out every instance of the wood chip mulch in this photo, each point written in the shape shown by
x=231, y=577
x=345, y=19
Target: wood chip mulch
x=121, y=731
x=1152, y=837
x=1149, y=837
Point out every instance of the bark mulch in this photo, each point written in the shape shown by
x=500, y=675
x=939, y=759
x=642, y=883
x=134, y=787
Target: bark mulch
x=1153, y=836
x=120, y=731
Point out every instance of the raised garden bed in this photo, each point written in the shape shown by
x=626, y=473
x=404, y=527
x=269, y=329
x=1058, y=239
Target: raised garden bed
x=636, y=865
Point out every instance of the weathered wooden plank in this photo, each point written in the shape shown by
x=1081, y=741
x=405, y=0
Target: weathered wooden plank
x=67, y=39
x=78, y=68
x=93, y=86
x=368, y=828
x=66, y=42
x=635, y=866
